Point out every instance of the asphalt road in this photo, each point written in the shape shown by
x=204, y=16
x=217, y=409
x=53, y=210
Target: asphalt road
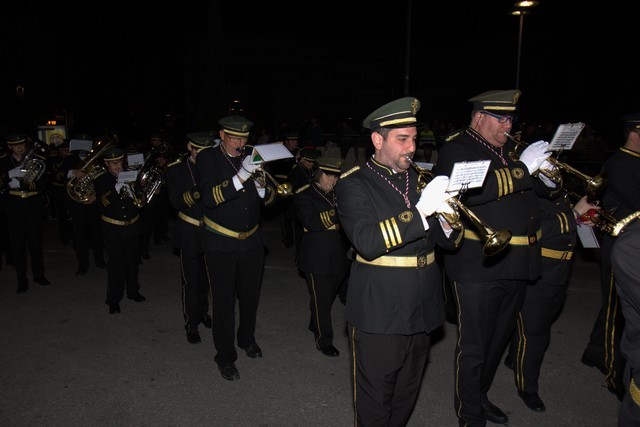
x=66, y=362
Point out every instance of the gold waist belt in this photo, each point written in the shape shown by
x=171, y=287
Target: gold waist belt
x=515, y=240
x=23, y=194
x=116, y=222
x=217, y=228
x=552, y=253
x=185, y=218
x=420, y=261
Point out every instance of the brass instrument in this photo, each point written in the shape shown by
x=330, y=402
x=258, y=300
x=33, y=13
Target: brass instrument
x=594, y=185
x=495, y=241
x=34, y=162
x=261, y=176
x=129, y=191
x=81, y=189
x=149, y=179
x=603, y=220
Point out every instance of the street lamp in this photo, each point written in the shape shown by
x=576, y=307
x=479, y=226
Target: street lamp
x=520, y=9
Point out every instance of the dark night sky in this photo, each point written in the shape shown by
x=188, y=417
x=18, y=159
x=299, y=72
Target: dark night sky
x=576, y=58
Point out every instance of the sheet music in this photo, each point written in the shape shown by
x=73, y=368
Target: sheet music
x=468, y=174
x=269, y=152
x=565, y=136
x=127, y=176
x=587, y=237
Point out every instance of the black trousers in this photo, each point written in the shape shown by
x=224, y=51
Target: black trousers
x=388, y=374
x=87, y=233
x=486, y=318
x=123, y=252
x=543, y=303
x=322, y=292
x=234, y=275
x=25, y=224
x=604, y=342
x=195, y=288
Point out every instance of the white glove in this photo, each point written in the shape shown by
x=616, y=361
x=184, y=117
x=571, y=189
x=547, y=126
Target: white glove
x=534, y=155
x=247, y=169
x=546, y=165
x=14, y=183
x=433, y=195
x=16, y=172
x=119, y=186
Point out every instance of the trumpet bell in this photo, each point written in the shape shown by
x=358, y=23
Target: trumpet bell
x=284, y=190
x=595, y=186
x=496, y=242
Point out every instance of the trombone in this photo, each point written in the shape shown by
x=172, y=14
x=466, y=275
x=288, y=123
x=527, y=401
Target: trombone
x=594, y=185
x=495, y=241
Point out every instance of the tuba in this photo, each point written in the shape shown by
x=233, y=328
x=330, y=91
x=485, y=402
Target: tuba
x=34, y=163
x=594, y=185
x=149, y=180
x=495, y=241
x=81, y=188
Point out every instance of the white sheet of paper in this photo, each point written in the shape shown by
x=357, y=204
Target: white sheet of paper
x=80, y=145
x=468, y=174
x=587, y=237
x=565, y=136
x=127, y=176
x=136, y=159
x=269, y=152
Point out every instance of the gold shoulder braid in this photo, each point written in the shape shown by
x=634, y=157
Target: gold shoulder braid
x=349, y=172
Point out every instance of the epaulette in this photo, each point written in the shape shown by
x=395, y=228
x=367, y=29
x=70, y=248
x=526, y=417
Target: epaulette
x=301, y=189
x=175, y=163
x=453, y=135
x=349, y=172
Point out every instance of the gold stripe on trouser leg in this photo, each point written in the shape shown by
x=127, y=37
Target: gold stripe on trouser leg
x=312, y=286
x=457, y=361
x=609, y=333
x=206, y=267
x=521, y=350
x=355, y=388
x=184, y=282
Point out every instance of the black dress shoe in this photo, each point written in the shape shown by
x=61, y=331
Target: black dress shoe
x=532, y=400
x=587, y=360
x=253, y=351
x=114, y=308
x=42, y=281
x=229, y=371
x=137, y=297
x=494, y=414
x=194, y=337
x=206, y=321
x=329, y=351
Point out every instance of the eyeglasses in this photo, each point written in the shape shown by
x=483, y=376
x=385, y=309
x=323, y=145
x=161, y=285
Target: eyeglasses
x=233, y=138
x=501, y=119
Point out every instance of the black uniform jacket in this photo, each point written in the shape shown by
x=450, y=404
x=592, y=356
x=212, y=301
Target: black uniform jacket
x=558, y=240
x=323, y=248
x=377, y=222
x=299, y=176
x=182, y=183
x=237, y=211
x=622, y=192
x=113, y=207
x=506, y=201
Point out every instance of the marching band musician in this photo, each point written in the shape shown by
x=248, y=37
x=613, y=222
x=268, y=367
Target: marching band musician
x=234, y=243
x=120, y=230
x=394, y=297
x=621, y=193
x=85, y=215
x=323, y=249
x=490, y=290
x=25, y=202
x=182, y=184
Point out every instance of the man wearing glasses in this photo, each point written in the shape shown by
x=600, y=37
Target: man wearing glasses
x=489, y=291
x=234, y=243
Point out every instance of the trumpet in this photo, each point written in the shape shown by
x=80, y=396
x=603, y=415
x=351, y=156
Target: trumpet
x=495, y=241
x=603, y=220
x=594, y=185
x=261, y=176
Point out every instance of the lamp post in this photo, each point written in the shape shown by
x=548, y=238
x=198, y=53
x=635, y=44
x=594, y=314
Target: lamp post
x=520, y=9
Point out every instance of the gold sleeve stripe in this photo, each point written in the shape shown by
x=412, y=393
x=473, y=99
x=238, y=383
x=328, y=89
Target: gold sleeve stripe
x=384, y=234
x=390, y=232
x=105, y=200
x=396, y=231
x=498, y=173
x=186, y=196
x=324, y=217
x=217, y=195
x=510, y=181
x=564, y=223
